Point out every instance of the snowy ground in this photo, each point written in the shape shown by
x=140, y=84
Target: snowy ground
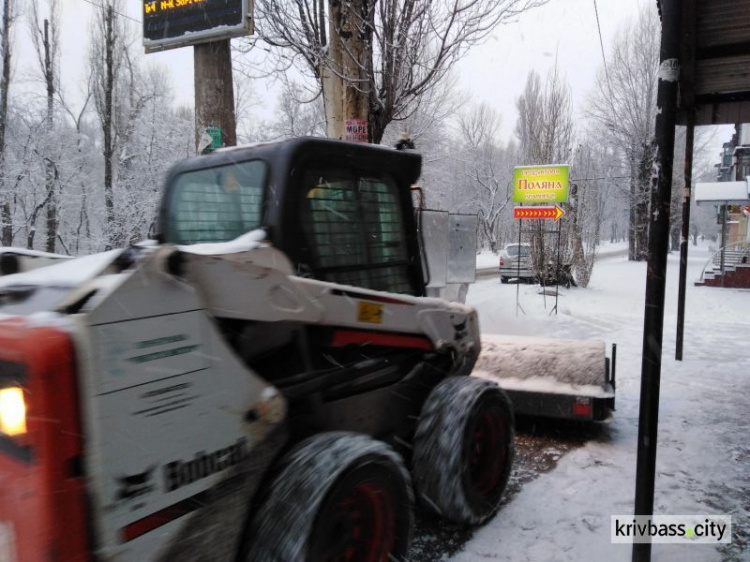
x=703, y=463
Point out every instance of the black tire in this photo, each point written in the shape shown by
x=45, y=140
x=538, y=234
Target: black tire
x=463, y=449
x=503, y=279
x=335, y=496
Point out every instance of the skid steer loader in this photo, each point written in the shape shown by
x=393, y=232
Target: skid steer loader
x=265, y=381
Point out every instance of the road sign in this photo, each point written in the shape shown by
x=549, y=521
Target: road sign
x=177, y=23
x=540, y=184
x=538, y=213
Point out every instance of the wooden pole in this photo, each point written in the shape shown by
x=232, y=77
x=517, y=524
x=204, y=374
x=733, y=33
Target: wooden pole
x=214, y=92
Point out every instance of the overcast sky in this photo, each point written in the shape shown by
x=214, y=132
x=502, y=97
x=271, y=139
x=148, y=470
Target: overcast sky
x=566, y=30
x=495, y=72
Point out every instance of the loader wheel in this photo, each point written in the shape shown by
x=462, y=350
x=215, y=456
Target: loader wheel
x=463, y=449
x=336, y=497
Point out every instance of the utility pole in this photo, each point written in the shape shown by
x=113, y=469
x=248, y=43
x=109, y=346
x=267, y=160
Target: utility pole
x=214, y=91
x=658, y=246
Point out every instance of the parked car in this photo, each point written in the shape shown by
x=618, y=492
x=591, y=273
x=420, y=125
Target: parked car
x=515, y=262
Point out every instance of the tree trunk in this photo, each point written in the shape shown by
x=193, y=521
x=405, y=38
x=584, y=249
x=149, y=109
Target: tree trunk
x=347, y=99
x=49, y=164
x=7, y=215
x=214, y=92
x=632, y=217
x=333, y=93
x=578, y=260
x=642, y=203
x=108, y=149
x=675, y=238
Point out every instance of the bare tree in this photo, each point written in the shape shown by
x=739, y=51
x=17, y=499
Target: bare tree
x=7, y=196
x=244, y=100
x=403, y=48
x=590, y=198
x=624, y=104
x=545, y=120
x=487, y=169
x=703, y=141
x=297, y=115
x=45, y=36
x=106, y=57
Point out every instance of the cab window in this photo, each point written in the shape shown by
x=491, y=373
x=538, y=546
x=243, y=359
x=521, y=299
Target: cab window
x=354, y=225
x=217, y=204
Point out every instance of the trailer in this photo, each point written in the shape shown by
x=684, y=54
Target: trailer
x=552, y=378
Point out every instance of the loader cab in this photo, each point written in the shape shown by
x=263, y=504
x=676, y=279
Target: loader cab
x=341, y=212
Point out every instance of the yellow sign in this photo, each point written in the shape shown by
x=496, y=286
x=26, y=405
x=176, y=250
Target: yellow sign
x=369, y=312
x=554, y=213
x=540, y=184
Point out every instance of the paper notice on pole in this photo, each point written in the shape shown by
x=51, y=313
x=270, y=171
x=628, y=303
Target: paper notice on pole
x=669, y=70
x=356, y=130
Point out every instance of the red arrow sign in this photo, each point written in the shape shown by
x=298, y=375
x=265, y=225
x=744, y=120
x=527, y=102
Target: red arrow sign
x=539, y=213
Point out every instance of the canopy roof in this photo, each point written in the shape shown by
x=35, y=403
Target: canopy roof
x=725, y=192
x=715, y=61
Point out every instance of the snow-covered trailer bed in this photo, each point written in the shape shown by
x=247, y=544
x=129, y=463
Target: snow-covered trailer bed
x=569, y=379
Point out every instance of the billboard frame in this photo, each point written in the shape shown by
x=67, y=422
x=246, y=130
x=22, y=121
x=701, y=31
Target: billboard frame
x=218, y=33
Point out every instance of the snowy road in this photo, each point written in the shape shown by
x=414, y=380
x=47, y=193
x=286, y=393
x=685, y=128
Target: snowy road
x=703, y=463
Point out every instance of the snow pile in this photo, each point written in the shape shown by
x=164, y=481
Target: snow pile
x=487, y=260
x=574, y=362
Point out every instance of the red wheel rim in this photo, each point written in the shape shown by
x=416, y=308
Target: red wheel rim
x=363, y=526
x=487, y=452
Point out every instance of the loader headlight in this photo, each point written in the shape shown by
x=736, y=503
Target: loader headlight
x=12, y=411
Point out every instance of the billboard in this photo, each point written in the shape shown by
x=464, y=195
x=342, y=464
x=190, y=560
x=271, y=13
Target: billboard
x=540, y=184
x=178, y=23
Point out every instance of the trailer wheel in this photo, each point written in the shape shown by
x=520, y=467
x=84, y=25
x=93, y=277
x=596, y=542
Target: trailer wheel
x=463, y=449
x=503, y=279
x=336, y=497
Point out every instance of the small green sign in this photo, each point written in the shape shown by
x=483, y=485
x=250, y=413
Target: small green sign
x=540, y=184
x=215, y=133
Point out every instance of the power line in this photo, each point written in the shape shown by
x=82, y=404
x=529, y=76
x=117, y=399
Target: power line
x=115, y=11
x=602, y=178
x=601, y=45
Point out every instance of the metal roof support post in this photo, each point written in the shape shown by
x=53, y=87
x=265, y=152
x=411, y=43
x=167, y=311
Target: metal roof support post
x=653, y=324
x=724, y=211
x=684, y=241
x=687, y=92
